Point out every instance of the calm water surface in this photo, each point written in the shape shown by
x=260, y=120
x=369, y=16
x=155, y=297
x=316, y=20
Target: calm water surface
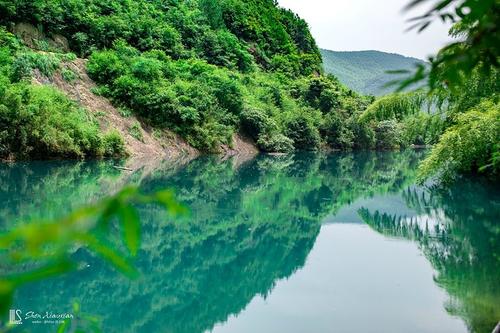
x=305, y=243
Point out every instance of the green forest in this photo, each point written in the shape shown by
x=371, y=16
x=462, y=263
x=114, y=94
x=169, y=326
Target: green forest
x=208, y=69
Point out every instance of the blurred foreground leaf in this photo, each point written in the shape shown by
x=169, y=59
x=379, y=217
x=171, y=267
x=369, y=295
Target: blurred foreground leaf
x=42, y=249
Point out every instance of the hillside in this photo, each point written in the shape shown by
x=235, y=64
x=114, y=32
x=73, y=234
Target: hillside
x=107, y=78
x=365, y=71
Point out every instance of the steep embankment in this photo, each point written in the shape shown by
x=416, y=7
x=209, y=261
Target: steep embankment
x=69, y=76
x=141, y=140
x=366, y=71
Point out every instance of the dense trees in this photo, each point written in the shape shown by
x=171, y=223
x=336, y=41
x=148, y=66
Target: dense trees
x=207, y=104
x=228, y=32
x=205, y=69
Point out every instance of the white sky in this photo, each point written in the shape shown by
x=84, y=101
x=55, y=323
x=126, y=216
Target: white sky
x=353, y=25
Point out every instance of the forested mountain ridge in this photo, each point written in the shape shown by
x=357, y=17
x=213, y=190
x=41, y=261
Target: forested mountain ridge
x=366, y=71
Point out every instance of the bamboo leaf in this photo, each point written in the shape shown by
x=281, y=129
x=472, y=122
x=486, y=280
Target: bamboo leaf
x=167, y=199
x=398, y=71
x=442, y=5
x=113, y=257
x=413, y=4
x=52, y=269
x=424, y=26
x=131, y=228
x=64, y=326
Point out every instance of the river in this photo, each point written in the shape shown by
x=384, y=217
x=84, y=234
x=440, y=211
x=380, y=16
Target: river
x=294, y=243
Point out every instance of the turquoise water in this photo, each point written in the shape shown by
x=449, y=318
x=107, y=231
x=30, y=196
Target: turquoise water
x=304, y=243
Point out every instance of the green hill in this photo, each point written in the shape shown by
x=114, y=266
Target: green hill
x=365, y=71
x=117, y=76
x=205, y=69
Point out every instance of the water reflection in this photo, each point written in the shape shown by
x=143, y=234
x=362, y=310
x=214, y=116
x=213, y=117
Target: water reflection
x=251, y=225
x=457, y=229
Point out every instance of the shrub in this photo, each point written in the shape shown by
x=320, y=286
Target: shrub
x=256, y=122
x=22, y=68
x=422, y=129
x=329, y=100
x=136, y=131
x=469, y=146
x=114, y=145
x=278, y=143
x=395, y=106
x=364, y=135
x=223, y=49
x=170, y=41
x=39, y=122
x=303, y=132
x=161, y=106
x=195, y=99
x=209, y=136
x=125, y=112
x=27, y=61
x=8, y=39
x=130, y=91
x=286, y=64
x=68, y=75
x=105, y=66
x=388, y=134
x=80, y=42
x=315, y=88
x=310, y=63
x=147, y=69
x=336, y=132
x=228, y=94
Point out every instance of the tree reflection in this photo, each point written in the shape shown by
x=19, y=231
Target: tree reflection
x=249, y=226
x=457, y=230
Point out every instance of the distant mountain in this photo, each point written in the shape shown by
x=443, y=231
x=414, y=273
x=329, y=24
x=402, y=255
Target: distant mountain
x=365, y=71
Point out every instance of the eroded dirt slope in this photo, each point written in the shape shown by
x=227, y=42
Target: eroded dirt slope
x=145, y=144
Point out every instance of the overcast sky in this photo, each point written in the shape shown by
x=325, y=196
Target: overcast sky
x=353, y=25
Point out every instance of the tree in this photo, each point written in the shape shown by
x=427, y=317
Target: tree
x=476, y=24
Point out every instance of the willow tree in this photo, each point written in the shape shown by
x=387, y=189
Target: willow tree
x=465, y=75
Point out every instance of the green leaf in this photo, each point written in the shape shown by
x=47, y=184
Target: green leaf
x=131, y=228
x=109, y=211
x=49, y=270
x=113, y=257
x=167, y=199
x=442, y=5
x=6, y=295
x=64, y=326
x=398, y=71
